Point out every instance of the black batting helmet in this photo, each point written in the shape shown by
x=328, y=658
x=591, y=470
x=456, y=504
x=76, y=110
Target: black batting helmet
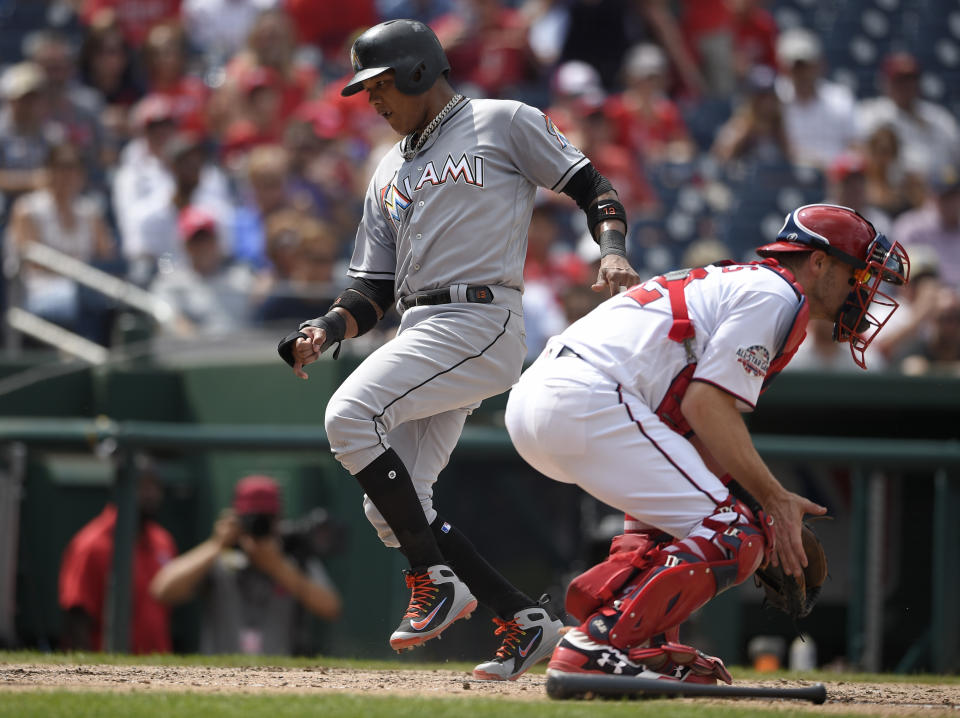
x=407, y=47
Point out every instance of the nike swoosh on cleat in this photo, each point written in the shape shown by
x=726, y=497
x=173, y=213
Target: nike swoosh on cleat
x=524, y=651
x=420, y=625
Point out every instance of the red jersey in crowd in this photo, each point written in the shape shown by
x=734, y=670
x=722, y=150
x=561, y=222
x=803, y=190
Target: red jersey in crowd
x=643, y=131
x=493, y=57
x=136, y=17
x=85, y=573
x=754, y=31
x=331, y=24
x=188, y=98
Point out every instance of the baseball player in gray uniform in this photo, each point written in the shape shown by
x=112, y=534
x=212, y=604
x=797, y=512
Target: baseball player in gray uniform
x=443, y=236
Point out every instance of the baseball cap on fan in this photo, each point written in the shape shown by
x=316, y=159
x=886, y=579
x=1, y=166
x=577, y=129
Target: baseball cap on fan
x=644, y=60
x=845, y=165
x=901, y=64
x=579, y=82
x=944, y=179
x=256, y=494
x=797, y=45
x=192, y=220
x=257, y=78
x=21, y=79
x=152, y=110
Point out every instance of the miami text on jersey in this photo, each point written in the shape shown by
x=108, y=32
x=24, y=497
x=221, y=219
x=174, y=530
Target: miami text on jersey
x=468, y=169
x=395, y=201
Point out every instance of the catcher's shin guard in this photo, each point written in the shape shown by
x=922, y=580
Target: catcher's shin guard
x=600, y=584
x=676, y=580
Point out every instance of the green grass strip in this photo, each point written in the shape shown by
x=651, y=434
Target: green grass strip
x=67, y=704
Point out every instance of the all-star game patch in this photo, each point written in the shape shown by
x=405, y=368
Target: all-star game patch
x=754, y=360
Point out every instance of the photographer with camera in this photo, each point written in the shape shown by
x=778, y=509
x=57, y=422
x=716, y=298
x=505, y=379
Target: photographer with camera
x=254, y=587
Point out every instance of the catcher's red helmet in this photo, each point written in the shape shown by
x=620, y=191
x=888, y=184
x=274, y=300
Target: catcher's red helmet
x=843, y=233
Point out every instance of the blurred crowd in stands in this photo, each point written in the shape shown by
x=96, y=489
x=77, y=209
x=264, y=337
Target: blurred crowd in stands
x=201, y=150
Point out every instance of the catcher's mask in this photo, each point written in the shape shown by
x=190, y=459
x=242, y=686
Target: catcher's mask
x=843, y=233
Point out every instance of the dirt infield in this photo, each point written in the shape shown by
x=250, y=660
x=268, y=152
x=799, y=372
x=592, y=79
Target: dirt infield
x=887, y=699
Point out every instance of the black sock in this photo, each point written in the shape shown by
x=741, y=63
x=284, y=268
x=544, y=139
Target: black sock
x=388, y=485
x=485, y=582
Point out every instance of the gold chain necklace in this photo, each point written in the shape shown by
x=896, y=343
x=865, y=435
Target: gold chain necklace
x=410, y=152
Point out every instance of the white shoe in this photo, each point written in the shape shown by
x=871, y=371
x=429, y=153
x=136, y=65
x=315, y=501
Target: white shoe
x=531, y=637
x=438, y=599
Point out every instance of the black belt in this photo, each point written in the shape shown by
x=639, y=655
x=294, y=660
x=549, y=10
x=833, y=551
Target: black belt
x=477, y=294
x=568, y=352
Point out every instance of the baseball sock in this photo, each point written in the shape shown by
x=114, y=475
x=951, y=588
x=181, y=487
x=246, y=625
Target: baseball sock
x=387, y=483
x=485, y=582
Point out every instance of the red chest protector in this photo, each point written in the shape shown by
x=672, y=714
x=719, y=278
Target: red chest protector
x=682, y=331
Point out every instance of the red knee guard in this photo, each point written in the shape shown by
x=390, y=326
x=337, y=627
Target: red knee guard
x=598, y=585
x=677, y=581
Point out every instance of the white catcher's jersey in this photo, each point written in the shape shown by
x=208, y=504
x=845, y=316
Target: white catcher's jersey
x=458, y=212
x=742, y=315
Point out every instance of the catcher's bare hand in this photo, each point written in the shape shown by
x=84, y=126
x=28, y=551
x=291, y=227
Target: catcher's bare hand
x=615, y=272
x=788, y=510
x=306, y=351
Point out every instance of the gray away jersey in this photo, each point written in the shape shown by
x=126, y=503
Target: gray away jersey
x=458, y=212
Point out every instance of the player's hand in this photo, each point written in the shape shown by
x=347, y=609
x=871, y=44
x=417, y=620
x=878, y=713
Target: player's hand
x=788, y=510
x=306, y=351
x=615, y=272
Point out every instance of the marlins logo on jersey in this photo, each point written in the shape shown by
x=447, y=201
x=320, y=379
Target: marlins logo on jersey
x=394, y=200
x=552, y=130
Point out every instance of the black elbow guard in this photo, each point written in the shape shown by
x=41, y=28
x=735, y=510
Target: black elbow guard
x=584, y=187
x=379, y=291
x=360, y=308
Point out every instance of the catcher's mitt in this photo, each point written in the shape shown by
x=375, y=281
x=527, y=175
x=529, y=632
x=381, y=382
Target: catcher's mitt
x=796, y=597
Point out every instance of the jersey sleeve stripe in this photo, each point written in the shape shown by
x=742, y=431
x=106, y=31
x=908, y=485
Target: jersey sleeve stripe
x=726, y=391
x=569, y=173
x=369, y=273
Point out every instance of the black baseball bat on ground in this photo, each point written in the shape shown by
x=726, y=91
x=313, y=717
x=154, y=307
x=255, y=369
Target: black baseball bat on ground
x=571, y=685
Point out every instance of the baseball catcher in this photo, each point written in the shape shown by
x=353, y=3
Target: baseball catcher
x=640, y=404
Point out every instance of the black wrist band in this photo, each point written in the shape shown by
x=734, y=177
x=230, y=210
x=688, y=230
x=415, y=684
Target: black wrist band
x=612, y=242
x=335, y=327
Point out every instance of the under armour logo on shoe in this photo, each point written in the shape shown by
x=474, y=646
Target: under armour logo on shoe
x=607, y=658
x=391, y=474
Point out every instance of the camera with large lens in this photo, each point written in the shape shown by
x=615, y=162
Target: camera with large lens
x=257, y=525
x=317, y=534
